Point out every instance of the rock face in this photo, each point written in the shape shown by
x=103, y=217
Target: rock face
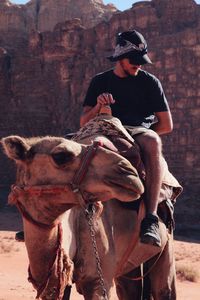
x=50, y=12
x=12, y=17
x=43, y=15
x=44, y=75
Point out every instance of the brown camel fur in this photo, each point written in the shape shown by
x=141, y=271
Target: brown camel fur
x=57, y=237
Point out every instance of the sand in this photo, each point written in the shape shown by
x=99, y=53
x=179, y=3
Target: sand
x=14, y=263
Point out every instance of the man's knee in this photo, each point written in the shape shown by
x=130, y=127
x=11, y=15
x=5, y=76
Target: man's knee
x=150, y=142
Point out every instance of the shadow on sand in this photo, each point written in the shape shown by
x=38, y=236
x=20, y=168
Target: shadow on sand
x=10, y=219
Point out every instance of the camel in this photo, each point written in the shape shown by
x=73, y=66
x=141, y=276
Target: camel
x=80, y=224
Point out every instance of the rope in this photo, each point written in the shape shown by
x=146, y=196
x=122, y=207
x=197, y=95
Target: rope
x=132, y=246
x=149, y=270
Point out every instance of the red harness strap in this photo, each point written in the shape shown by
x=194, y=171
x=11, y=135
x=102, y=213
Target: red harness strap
x=78, y=177
x=46, y=190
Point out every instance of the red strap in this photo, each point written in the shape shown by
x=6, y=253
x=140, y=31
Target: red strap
x=88, y=156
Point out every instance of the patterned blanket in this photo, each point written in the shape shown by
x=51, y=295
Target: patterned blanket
x=108, y=126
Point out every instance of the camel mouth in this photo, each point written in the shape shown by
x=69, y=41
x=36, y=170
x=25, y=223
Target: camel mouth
x=128, y=189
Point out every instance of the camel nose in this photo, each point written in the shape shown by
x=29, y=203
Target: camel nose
x=127, y=168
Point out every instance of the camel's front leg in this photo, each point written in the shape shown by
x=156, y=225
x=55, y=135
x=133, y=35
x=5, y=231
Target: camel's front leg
x=127, y=288
x=93, y=290
x=163, y=275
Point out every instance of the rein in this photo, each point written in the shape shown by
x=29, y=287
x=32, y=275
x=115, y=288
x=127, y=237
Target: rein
x=132, y=246
x=148, y=271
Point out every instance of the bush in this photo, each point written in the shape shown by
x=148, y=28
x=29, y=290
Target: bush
x=187, y=272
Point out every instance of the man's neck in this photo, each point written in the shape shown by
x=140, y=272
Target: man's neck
x=118, y=71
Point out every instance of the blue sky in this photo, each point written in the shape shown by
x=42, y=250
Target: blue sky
x=125, y=4
x=120, y=4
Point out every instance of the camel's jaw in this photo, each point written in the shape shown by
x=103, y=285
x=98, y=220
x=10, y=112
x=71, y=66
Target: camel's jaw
x=127, y=189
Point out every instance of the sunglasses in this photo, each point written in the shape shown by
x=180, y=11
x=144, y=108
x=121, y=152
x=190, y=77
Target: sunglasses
x=133, y=62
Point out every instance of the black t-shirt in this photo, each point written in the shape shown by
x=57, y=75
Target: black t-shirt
x=137, y=98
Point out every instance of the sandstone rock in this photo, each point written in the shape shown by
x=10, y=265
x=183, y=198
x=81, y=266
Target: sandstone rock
x=43, y=15
x=12, y=17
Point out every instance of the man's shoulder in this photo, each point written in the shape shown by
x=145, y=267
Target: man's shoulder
x=148, y=76
x=104, y=74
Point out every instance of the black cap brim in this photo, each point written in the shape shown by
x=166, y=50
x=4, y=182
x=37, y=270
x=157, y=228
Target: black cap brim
x=135, y=56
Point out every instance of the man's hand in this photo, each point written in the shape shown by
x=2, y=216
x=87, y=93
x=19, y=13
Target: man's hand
x=90, y=112
x=105, y=99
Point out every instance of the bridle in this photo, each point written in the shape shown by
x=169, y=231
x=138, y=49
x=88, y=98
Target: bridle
x=84, y=200
x=80, y=174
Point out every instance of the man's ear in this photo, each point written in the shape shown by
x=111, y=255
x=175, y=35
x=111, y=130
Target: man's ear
x=15, y=147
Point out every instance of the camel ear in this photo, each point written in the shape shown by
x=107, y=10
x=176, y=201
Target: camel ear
x=15, y=147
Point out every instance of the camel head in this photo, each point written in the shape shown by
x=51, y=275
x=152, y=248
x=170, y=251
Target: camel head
x=55, y=161
x=46, y=169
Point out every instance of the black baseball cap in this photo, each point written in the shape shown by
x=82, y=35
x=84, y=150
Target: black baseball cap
x=131, y=44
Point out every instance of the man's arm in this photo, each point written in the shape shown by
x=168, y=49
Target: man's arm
x=89, y=113
x=164, y=123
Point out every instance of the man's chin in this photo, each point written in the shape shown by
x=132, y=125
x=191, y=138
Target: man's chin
x=133, y=74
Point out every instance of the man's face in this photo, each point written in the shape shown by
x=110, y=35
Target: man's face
x=129, y=68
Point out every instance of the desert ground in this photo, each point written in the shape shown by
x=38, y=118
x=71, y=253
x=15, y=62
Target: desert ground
x=14, y=263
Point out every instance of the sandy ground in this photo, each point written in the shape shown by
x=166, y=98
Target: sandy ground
x=14, y=262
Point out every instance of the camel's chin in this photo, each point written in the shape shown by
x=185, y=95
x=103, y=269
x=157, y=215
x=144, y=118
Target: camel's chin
x=126, y=191
x=123, y=195
x=127, y=195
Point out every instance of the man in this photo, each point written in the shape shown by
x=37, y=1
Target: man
x=136, y=97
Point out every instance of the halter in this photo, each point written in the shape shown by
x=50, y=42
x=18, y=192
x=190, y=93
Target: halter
x=84, y=197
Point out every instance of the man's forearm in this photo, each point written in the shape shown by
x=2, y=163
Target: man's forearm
x=90, y=114
x=164, y=123
x=160, y=129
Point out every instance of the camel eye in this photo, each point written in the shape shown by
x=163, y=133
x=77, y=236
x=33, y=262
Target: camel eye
x=61, y=158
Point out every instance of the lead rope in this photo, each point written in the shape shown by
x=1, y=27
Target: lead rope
x=89, y=214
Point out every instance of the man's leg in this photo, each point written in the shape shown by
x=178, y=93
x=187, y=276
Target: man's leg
x=151, y=149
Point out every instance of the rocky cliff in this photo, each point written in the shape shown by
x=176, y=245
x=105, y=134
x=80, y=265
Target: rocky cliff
x=44, y=75
x=43, y=15
x=50, y=12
